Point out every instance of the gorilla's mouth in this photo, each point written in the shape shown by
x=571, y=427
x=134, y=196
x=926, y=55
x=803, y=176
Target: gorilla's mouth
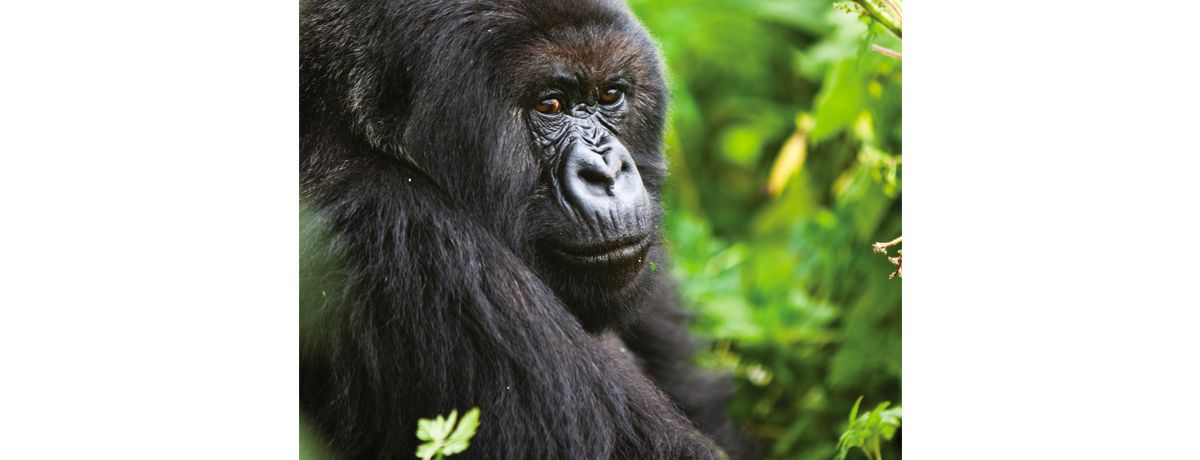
x=619, y=251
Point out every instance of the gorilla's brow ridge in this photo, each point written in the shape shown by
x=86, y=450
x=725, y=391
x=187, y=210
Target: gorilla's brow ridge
x=580, y=60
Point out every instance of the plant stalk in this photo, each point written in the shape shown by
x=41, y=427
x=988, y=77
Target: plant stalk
x=892, y=24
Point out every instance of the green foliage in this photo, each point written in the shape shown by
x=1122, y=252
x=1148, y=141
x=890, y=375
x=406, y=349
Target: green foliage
x=785, y=150
x=442, y=437
x=866, y=431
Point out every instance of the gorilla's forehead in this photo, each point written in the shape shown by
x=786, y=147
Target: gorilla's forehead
x=589, y=55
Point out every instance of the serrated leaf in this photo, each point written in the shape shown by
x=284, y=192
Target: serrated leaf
x=443, y=437
x=449, y=424
x=423, y=426
x=460, y=439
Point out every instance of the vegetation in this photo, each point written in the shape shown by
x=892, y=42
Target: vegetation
x=785, y=146
x=443, y=436
x=865, y=431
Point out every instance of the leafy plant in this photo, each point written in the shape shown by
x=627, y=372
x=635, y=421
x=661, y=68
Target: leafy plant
x=867, y=430
x=443, y=438
x=786, y=166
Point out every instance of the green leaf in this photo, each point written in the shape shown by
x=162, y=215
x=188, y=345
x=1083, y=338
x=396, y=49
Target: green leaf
x=449, y=423
x=866, y=429
x=427, y=450
x=461, y=438
x=423, y=430
x=854, y=410
x=442, y=437
x=840, y=100
x=889, y=422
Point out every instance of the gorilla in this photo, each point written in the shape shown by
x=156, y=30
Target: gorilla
x=480, y=186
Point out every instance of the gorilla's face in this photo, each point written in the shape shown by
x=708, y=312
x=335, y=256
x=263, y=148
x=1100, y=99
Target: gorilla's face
x=592, y=102
x=577, y=126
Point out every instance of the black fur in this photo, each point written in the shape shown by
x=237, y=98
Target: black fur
x=423, y=286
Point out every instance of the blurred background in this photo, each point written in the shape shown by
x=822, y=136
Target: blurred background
x=785, y=143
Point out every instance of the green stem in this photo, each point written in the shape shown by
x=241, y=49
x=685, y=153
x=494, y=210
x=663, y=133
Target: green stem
x=889, y=22
x=894, y=9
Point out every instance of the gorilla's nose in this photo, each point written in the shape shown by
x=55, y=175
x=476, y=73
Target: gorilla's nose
x=603, y=179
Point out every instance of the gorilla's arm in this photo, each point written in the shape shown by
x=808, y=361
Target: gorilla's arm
x=434, y=314
x=665, y=349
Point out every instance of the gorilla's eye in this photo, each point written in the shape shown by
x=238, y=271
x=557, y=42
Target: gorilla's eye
x=610, y=96
x=548, y=106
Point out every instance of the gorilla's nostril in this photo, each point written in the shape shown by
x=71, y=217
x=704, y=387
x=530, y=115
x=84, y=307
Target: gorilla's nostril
x=596, y=177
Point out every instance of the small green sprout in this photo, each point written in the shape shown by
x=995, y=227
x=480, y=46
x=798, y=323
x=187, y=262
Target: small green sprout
x=865, y=431
x=441, y=436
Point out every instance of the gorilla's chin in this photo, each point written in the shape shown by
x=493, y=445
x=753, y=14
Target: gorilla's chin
x=601, y=281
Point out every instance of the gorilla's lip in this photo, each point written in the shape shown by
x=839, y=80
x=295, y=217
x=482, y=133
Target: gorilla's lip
x=612, y=251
